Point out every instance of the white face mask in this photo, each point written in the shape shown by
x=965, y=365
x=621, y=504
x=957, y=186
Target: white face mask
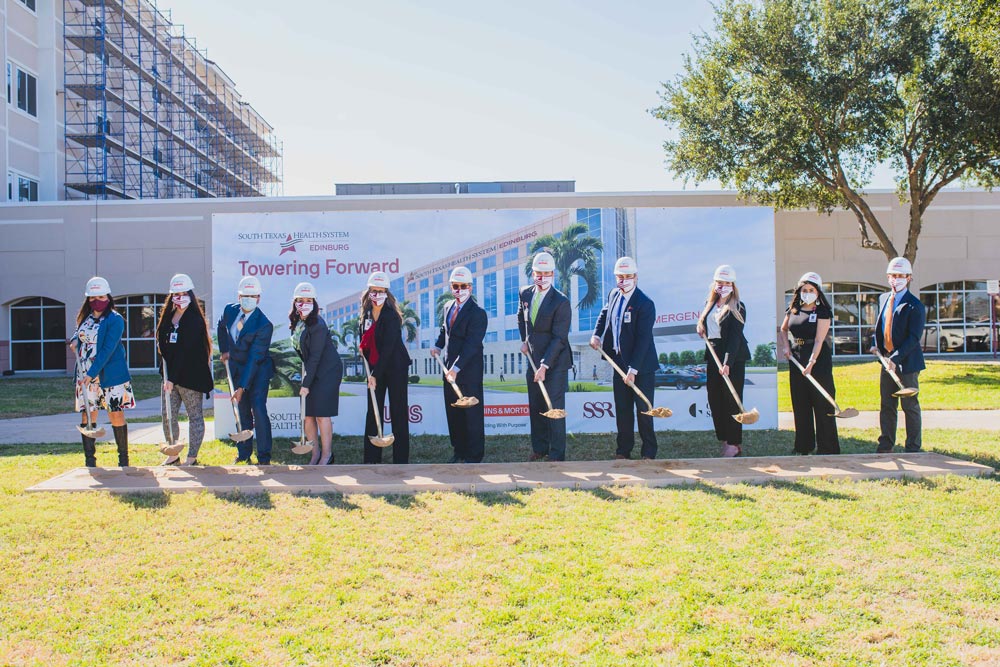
x=543, y=282
x=898, y=284
x=461, y=294
x=626, y=285
x=724, y=290
x=378, y=298
x=808, y=297
x=248, y=303
x=181, y=301
x=304, y=308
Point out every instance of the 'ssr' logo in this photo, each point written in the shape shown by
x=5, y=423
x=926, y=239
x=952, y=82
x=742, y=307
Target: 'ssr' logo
x=598, y=409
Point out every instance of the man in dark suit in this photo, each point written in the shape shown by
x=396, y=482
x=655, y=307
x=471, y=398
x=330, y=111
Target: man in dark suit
x=898, y=332
x=461, y=338
x=625, y=332
x=244, y=340
x=543, y=320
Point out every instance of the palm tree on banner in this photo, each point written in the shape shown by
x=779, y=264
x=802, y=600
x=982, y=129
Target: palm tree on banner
x=349, y=339
x=576, y=253
x=410, y=321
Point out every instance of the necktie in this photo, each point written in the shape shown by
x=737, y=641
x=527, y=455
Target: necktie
x=239, y=324
x=453, y=316
x=617, y=322
x=887, y=333
x=535, y=302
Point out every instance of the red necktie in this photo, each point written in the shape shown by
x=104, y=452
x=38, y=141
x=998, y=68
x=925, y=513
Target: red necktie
x=453, y=317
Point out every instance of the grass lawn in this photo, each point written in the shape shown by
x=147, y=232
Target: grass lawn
x=945, y=385
x=37, y=396
x=812, y=573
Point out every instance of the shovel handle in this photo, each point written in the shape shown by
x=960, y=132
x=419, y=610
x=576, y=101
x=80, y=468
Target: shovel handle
x=168, y=413
x=623, y=376
x=729, y=383
x=378, y=418
x=815, y=383
x=454, y=385
x=541, y=385
x=892, y=373
x=229, y=379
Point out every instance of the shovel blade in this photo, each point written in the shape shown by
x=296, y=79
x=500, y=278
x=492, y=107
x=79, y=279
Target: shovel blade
x=555, y=413
x=465, y=402
x=383, y=441
x=659, y=412
x=906, y=392
x=171, y=450
x=97, y=432
x=303, y=448
x=748, y=417
x=846, y=413
x=241, y=436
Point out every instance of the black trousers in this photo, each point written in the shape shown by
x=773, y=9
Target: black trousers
x=888, y=418
x=721, y=402
x=815, y=427
x=399, y=419
x=628, y=402
x=466, y=426
x=548, y=436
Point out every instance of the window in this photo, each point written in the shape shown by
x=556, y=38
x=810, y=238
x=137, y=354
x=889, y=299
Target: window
x=512, y=334
x=141, y=311
x=22, y=89
x=425, y=309
x=471, y=266
x=491, y=337
x=411, y=287
x=490, y=294
x=424, y=283
x=958, y=317
x=588, y=316
x=489, y=262
x=438, y=279
x=511, y=290
x=438, y=311
x=21, y=188
x=38, y=335
x=30, y=4
x=510, y=255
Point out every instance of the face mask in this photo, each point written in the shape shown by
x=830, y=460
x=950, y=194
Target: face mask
x=724, y=290
x=304, y=308
x=808, y=297
x=898, y=284
x=626, y=285
x=378, y=298
x=99, y=306
x=543, y=282
x=461, y=294
x=181, y=301
x=248, y=303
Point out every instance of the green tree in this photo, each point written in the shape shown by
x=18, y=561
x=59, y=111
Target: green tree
x=687, y=358
x=796, y=102
x=977, y=24
x=411, y=323
x=763, y=355
x=349, y=338
x=287, y=364
x=674, y=359
x=664, y=358
x=576, y=254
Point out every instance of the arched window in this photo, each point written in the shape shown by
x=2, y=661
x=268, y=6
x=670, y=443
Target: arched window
x=958, y=317
x=855, y=309
x=38, y=335
x=141, y=312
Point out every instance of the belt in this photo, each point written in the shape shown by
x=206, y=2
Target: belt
x=799, y=342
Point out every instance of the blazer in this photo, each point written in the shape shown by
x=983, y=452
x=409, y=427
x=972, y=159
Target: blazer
x=636, y=337
x=189, y=359
x=548, y=337
x=393, y=359
x=318, y=353
x=250, y=355
x=464, y=340
x=734, y=343
x=109, y=364
x=908, y=318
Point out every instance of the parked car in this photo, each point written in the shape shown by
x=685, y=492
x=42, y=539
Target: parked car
x=679, y=378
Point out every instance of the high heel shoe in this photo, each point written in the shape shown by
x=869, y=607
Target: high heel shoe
x=326, y=462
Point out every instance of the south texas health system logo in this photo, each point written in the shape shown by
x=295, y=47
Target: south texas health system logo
x=288, y=245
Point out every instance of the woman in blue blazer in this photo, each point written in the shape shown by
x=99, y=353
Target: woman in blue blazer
x=101, y=369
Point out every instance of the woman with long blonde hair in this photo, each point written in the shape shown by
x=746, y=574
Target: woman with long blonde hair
x=721, y=325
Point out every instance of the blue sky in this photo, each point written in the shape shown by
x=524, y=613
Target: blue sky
x=385, y=90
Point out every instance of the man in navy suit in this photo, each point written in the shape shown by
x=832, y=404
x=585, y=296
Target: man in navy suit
x=898, y=331
x=625, y=332
x=461, y=338
x=244, y=340
x=543, y=320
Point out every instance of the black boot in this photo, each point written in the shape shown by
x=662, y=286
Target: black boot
x=89, y=452
x=121, y=439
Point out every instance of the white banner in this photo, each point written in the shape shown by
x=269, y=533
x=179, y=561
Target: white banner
x=676, y=249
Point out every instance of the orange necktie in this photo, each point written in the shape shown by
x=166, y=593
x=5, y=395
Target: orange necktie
x=887, y=333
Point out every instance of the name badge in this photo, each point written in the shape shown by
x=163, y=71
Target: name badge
x=628, y=317
x=173, y=337
x=812, y=317
x=368, y=325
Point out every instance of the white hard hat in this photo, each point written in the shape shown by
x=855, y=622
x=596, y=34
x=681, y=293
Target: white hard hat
x=249, y=286
x=543, y=262
x=811, y=277
x=461, y=275
x=181, y=283
x=725, y=273
x=625, y=266
x=899, y=265
x=97, y=286
x=304, y=291
x=378, y=279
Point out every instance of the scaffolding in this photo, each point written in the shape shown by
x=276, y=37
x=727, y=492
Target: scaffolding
x=148, y=115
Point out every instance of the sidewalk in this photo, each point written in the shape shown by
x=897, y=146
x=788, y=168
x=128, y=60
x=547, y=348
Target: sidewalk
x=62, y=428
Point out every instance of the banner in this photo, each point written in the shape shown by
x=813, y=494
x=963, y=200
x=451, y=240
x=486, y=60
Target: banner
x=676, y=249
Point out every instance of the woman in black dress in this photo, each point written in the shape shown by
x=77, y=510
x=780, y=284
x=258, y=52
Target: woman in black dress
x=381, y=333
x=322, y=370
x=807, y=323
x=721, y=323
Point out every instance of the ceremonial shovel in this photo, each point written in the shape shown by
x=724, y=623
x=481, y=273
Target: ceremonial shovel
x=171, y=448
x=463, y=401
x=743, y=417
x=837, y=412
x=240, y=435
x=652, y=412
x=304, y=446
x=904, y=392
x=551, y=413
x=90, y=429
x=377, y=440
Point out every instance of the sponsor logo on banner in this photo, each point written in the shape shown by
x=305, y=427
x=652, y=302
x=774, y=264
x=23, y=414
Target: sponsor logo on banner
x=506, y=410
x=598, y=409
x=415, y=416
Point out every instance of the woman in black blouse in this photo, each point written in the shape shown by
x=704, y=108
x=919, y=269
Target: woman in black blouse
x=807, y=323
x=182, y=338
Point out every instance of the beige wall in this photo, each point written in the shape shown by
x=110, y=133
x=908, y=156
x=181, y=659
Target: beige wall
x=51, y=248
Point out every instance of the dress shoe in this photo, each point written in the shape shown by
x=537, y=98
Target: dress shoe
x=241, y=462
x=455, y=459
x=729, y=451
x=535, y=456
x=621, y=456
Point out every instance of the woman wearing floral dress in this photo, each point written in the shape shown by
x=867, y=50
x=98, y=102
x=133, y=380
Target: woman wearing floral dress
x=102, y=371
